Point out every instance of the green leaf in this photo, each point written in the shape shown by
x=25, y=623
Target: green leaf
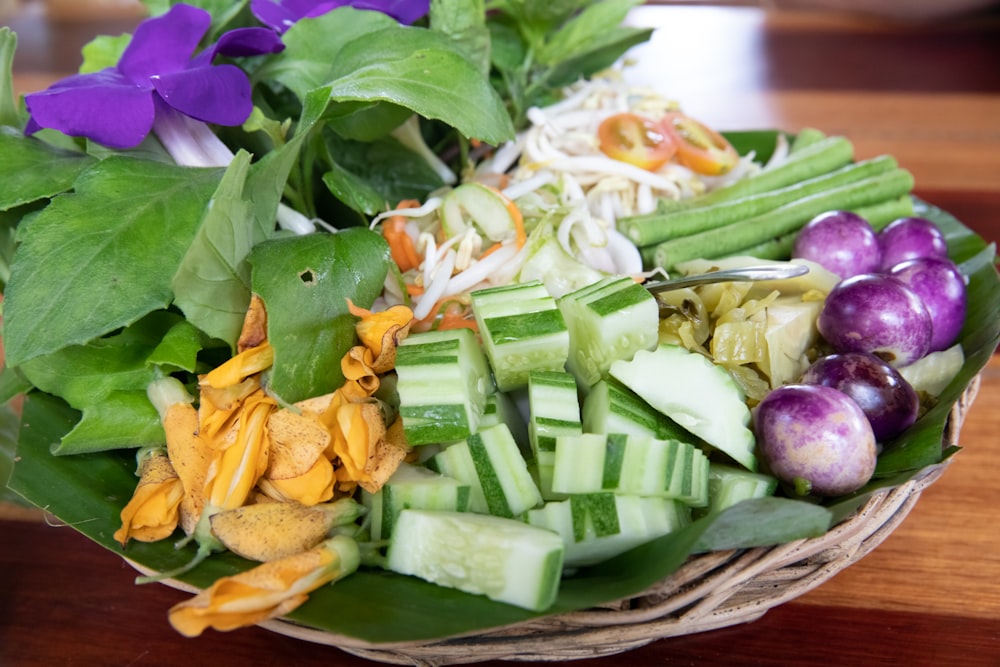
x=353, y=191
x=122, y=420
x=464, y=23
x=8, y=104
x=365, y=121
x=368, y=176
x=305, y=282
x=103, y=51
x=762, y=522
x=178, y=351
x=312, y=44
x=590, y=30
x=104, y=256
x=602, y=53
x=212, y=283
x=419, y=69
x=32, y=170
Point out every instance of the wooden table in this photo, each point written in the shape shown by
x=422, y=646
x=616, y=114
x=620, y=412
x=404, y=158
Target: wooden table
x=930, y=595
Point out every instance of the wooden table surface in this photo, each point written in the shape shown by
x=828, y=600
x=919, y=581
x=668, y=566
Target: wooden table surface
x=929, y=595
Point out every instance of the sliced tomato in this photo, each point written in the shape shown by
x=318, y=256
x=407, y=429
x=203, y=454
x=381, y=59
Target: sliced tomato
x=699, y=148
x=631, y=138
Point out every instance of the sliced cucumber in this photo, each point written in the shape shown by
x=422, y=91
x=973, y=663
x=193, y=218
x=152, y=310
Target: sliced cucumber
x=611, y=407
x=608, y=321
x=554, y=410
x=522, y=330
x=443, y=385
x=490, y=462
x=505, y=560
x=697, y=394
x=635, y=465
x=412, y=486
x=728, y=485
x=597, y=526
x=481, y=207
x=501, y=408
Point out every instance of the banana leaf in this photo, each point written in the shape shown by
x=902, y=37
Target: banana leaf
x=87, y=491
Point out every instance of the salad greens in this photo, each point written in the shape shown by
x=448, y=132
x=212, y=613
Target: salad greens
x=120, y=265
x=107, y=237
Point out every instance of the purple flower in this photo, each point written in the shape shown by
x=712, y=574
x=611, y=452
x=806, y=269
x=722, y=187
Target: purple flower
x=282, y=14
x=157, y=74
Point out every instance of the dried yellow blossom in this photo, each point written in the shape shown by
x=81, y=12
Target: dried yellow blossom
x=381, y=333
x=254, y=331
x=266, y=591
x=236, y=467
x=153, y=512
x=190, y=455
x=238, y=368
x=313, y=486
x=269, y=531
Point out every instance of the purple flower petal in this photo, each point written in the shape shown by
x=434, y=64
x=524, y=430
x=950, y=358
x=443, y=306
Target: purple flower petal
x=165, y=43
x=218, y=94
x=103, y=106
x=273, y=14
x=404, y=11
x=243, y=42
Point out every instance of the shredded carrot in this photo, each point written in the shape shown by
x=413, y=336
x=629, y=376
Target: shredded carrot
x=448, y=313
x=489, y=251
x=401, y=246
x=520, y=236
x=414, y=290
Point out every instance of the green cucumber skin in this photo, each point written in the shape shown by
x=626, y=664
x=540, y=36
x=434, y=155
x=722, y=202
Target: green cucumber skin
x=598, y=526
x=608, y=321
x=412, y=487
x=522, y=329
x=697, y=394
x=504, y=559
x=631, y=465
x=491, y=463
x=443, y=385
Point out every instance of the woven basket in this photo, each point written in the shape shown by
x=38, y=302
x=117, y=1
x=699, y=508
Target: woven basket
x=710, y=591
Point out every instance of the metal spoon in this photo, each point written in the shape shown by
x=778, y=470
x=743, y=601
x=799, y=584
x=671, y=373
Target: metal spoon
x=761, y=272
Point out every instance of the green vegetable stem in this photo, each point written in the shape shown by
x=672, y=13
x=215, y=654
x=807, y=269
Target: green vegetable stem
x=782, y=220
x=656, y=227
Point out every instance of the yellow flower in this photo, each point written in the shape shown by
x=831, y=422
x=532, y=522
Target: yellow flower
x=238, y=465
x=238, y=368
x=190, y=455
x=152, y=513
x=381, y=333
x=266, y=591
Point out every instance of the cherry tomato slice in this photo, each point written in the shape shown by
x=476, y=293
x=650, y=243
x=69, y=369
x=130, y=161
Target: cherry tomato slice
x=699, y=148
x=636, y=140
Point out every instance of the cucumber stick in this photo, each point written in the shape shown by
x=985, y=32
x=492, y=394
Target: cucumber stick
x=611, y=407
x=522, y=330
x=490, y=462
x=608, y=320
x=554, y=410
x=412, y=486
x=697, y=394
x=637, y=465
x=728, y=485
x=504, y=559
x=597, y=526
x=443, y=385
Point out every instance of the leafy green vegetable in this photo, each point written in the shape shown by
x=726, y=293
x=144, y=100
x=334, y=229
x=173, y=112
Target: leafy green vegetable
x=32, y=170
x=305, y=282
x=84, y=266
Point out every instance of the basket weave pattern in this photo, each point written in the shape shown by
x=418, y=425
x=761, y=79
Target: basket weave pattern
x=710, y=591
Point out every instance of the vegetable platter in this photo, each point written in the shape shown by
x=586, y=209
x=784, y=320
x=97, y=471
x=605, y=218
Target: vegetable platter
x=179, y=283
